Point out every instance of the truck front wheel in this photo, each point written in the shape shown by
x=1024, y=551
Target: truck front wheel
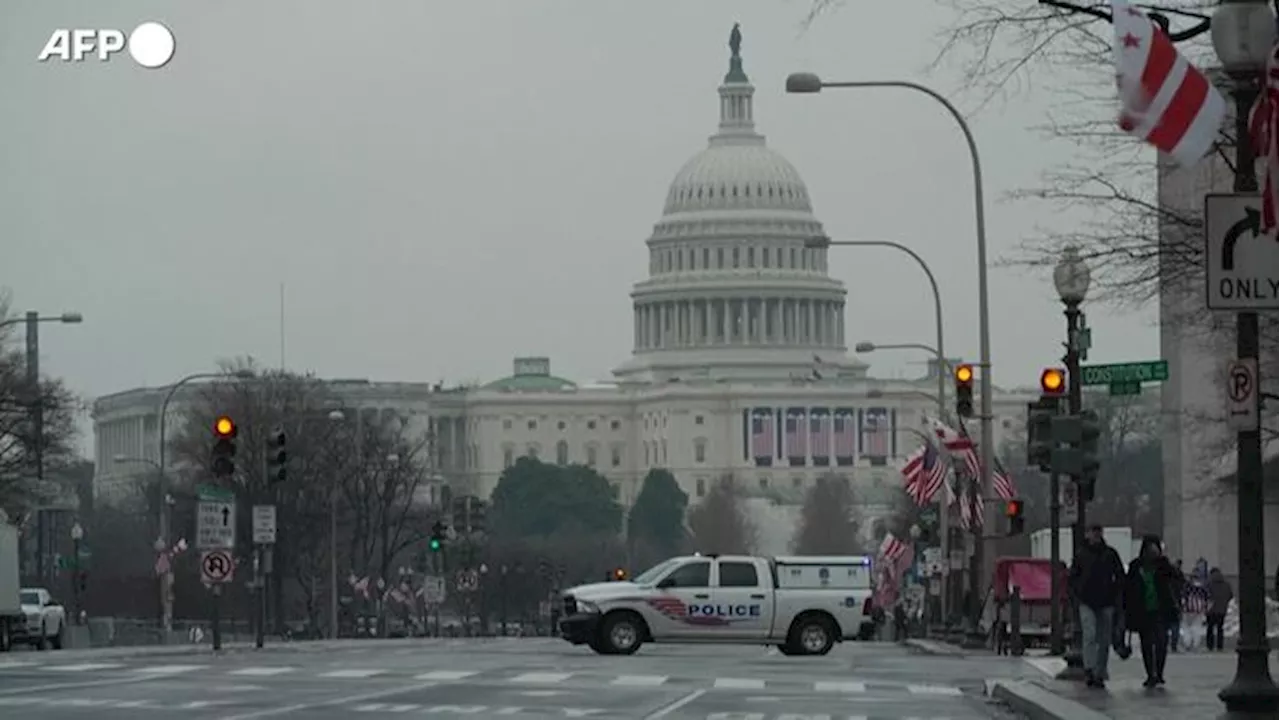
x=812, y=635
x=621, y=633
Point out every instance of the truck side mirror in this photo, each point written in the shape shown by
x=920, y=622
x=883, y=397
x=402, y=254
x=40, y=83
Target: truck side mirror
x=666, y=582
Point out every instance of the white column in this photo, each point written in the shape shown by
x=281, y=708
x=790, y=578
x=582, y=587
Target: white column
x=726, y=321
x=813, y=325
x=840, y=323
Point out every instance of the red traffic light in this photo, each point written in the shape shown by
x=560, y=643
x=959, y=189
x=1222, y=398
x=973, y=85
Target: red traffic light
x=1013, y=508
x=964, y=374
x=224, y=427
x=1053, y=381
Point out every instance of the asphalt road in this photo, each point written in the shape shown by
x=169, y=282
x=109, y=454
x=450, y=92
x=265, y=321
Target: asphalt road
x=524, y=678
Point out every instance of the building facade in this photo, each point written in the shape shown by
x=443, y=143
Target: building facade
x=739, y=371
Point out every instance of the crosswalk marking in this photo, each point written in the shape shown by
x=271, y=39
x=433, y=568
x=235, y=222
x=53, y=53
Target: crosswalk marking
x=639, y=680
x=540, y=677
x=169, y=669
x=82, y=667
x=840, y=687
x=262, y=671
x=933, y=690
x=739, y=684
x=352, y=673
x=446, y=675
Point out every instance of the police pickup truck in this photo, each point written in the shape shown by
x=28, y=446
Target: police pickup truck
x=803, y=605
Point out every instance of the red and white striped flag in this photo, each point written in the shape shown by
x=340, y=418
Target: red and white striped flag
x=961, y=446
x=875, y=432
x=923, y=474
x=1264, y=126
x=762, y=434
x=892, y=549
x=818, y=434
x=796, y=435
x=845, y=437
x=1164, y=100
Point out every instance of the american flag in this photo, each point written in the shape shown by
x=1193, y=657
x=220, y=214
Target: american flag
x=762, y=434
x=844, y=434
x=875, y=432
x=1164, y=99
x=1264, y=126
x=1195, y=599
x=1002, y=481
x=818, y=433
x=961, y=446
x=892, y=549
x=924, y=474
x=796, y=435
x=971, y=506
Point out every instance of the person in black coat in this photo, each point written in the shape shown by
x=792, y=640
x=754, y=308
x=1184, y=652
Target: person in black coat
x=1097, y=581
x=1151, y=605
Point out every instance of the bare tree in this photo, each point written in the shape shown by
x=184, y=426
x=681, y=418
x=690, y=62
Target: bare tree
x=719, y=524
x=829, y=523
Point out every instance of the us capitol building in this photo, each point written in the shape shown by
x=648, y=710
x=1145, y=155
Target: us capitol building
x=739, y=369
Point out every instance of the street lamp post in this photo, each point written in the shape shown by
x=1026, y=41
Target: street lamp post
x=35, y=406
x=163, y=542
x=1071, y=280
x=811, y=83
x=944, y=524
x=77, y=534
x=335, y=416
x=1244, y=37
x=824, y=242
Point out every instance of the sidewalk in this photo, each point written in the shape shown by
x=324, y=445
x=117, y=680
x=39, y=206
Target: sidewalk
x=1194, y=680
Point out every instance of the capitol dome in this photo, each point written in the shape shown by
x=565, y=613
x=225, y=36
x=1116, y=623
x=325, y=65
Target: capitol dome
x=734, y=289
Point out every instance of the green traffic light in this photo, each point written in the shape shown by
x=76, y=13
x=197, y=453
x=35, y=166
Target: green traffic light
x=435, y=545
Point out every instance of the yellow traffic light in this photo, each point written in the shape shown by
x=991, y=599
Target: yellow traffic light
x=964, y=374
x=1053, y=381
x=224, y=426
x=619, y=574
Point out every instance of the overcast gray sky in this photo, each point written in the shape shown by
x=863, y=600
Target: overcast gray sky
x=441, y=185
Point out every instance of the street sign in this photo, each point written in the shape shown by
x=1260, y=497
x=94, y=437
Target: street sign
x=212, y=493
x=467, y=580
x=433, y=589
x=1126, y=388
x=1241, y=270
x=1242, y=394
x=1134, y=372
x=216, y=525
x=264, y=524
x=216, y=566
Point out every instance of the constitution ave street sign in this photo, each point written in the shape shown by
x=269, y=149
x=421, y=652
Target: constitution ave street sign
x=216, y=525
x=1122, y=373
x=1241, y=264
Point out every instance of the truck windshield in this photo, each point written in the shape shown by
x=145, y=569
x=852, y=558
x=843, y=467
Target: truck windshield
x=650, y=576
x=29, y=598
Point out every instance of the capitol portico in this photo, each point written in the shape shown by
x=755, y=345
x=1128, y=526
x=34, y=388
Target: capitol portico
x=739, y=370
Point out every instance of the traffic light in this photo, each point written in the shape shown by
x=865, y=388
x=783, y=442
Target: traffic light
x=618, y=574
x=964, y=390
x=436, y=543
x=1090, y=434
x=1053, y=382
x=1017, y=523
x=222, y=463
x=82, y=580
x=276, y=456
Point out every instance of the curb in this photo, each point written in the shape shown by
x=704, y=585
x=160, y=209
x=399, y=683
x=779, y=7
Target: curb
x=248, y=647
x=1037, y=703
x=1054, y=668
x=934, y=647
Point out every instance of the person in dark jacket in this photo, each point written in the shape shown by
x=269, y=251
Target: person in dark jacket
x=1097, y=580
x=1151, y=604
x=1220, y=595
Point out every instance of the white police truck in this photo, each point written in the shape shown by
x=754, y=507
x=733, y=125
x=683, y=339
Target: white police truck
x=803, y=605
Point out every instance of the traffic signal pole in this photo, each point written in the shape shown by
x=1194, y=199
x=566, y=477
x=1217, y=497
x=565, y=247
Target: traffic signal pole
x=1075, y=405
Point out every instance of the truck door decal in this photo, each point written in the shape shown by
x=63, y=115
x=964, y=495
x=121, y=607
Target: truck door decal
x=702, y=614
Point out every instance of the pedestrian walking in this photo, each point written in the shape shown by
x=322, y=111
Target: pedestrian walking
x=1175, y=628
x=1097, y=581
x=1220, y=595
x=1151, y=604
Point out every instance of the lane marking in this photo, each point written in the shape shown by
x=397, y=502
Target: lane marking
x=352, y=673
x=262, y=671
x=541, y=677
x=934, y=690
x=74, y=685
x=840, y=687
x=669, y=708
x=8, y=664
x=639, y=680
x=738, y=684
x=169, y=669
x=82, y=667
x=446, y=675
x=347, y=700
